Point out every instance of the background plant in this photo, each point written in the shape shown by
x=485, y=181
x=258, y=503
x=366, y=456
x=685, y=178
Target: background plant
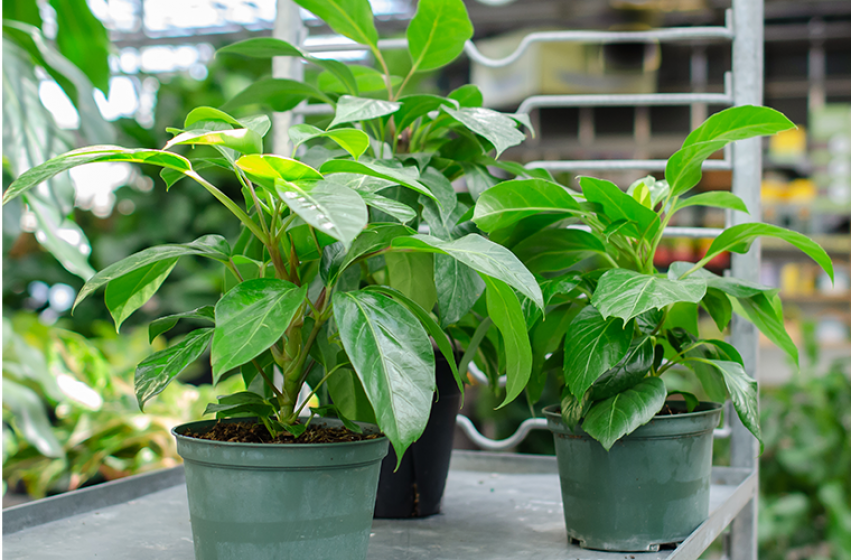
x=614, y=327
x=303, y=302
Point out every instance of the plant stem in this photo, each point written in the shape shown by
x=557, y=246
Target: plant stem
x=230, y=205
x=315, y=389
x=380, y=58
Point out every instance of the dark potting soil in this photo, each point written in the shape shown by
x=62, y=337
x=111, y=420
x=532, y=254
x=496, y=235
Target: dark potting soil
x=247, y=432
x=668, y=411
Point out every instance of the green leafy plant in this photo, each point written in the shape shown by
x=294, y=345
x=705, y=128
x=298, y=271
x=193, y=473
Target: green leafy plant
x=69, y=411
x=329, y=286
x=614, y=327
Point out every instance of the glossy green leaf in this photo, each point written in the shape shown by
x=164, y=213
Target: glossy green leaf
x=269, y=47
x=691, y=401
x=594, y=346
x=353, y=109
x=154, y=373
x=727, y=284
x=92, y=154
x=573, y=409
x=683, y=170
x=250, y=318
x=467, y=95
x=762, y=312
x=242, y=140
x=458, y=288
x=398, y=210
x=505, y=312
x=627, y=373
x=126, y=294
x=437, y=335
x=352, y=140
x=83, y=39
x=412, y=274
x=279, y=94
x=437, y=33
x=738, y=239
x=497, y=128
x=442, y=189
x=25, y=11
x=349, y=18
x=30, y=417
x=507, y=203
x=393, y=358
x=477, y=178
x=743, y=392
x=713, y=199
x=617, y=205
x=622, y=414
x=419, y=105
x=165, y=324
x=627, y=294
x=347, y=393
x=659, y=190
x=239, y=404
x=267, y=169
x=333, y=209
x=718, y=305
x=211, y=246
x=397, y=176
x=557, y=249
x=481, y=255
x=374, y=238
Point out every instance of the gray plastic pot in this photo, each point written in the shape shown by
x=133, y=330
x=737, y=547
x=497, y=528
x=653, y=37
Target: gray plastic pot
x=274, y=501
x=651, y=488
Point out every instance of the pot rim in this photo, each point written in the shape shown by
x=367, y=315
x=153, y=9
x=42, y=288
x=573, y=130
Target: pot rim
x=244, y=445
x=555, y=410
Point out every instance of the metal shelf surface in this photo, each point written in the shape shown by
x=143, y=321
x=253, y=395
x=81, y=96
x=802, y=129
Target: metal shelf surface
x=496, y=507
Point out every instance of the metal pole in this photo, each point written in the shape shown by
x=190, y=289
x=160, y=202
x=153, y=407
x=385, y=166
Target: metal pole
x=748, y=21
x=288, y=27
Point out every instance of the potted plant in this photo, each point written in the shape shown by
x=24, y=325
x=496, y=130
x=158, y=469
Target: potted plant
x=304, y=312
x=634, y=466
x=439, y=139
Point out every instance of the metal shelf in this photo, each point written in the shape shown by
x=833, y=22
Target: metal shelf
x=496, y=507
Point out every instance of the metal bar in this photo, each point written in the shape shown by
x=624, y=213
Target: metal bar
x=620, y=164
x=623, y=99
x=337, y=43
x=477, y=438
x=747, y=176
x=670, y=34
x=288, y=27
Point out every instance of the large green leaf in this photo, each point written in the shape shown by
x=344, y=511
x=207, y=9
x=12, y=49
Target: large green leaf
x=250, y=318
x=573, y=409
x=511, y=201
x=762, y=311
x=743, y=392
x=374, y=169
x=347, y=393
x=352, y=140
x=437, y=33
x=268, y=169
x=738, y=239
x=31, y=417
x=353, y=109
x=418, y=105
x=398, y=210
x=620, y=415
x=82, y=39
x=629, y=371
x=713, y=199
x=727, y=284
x=594, y=346
x=412, y=274
x=333, y=209
x=718, y=305
x=349, y=18
x=683, y=170
x=557, y=249
x=279, y=94
x=165, y=324
x=211, y=246
x=128, y=293
x=505, y=312
x=23, y=10
x=92, y=154
x=481, y=255
x=242, y=140
x=498, y=129
x=154, y=373
x=269, y=47
x=627, y=294
x=458, y=288
x=467, y=95
x=394, y=360
x=374, y=238
x=617, y=205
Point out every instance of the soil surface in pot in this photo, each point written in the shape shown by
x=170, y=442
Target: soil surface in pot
x=246, y=432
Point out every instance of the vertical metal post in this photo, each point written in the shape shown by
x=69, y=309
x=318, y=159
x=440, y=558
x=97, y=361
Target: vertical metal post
x=748, y=21
x=288, y=27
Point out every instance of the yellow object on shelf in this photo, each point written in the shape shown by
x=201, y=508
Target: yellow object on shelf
x=788, y=145
x=801, y=190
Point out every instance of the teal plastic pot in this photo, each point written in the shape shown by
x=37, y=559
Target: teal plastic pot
x=651, y=488
x=275, y=501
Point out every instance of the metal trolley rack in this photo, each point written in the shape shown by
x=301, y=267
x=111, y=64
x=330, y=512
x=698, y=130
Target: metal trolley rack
x=743, y=86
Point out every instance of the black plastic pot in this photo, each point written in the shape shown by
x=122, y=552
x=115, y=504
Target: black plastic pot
x=416, y=489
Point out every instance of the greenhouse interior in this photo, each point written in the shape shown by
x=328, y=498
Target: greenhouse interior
x=400, y=279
